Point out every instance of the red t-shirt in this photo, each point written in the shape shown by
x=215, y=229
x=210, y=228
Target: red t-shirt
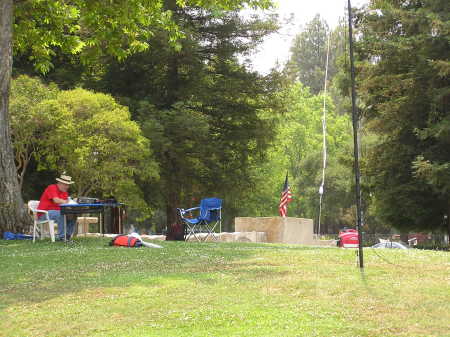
x=52, y=191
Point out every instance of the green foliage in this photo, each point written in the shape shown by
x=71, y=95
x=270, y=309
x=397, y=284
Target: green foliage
x=99, y=146
x=86, y=134
x=298, y=150
x=405, y=86
x=96, y=28
x=180, y=140
x=31, y=124
x=90, y=30
x=199, y=107
x=309, y=50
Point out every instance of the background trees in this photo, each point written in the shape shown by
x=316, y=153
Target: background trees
x=86, y=134
x=199, y=107
x=301, y=130
x=31, y=124
x=90, y=29
x=99, y=145
x=185, y=104
x=308, y=54
x=404, y=84
x=215, y=127
x=297, y=149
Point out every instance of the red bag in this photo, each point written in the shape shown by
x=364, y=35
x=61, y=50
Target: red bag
x=126, y=241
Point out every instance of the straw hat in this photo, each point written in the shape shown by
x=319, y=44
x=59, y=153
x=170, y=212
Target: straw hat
x=65, y=179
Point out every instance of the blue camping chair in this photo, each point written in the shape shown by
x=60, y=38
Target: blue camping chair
x=209, y=217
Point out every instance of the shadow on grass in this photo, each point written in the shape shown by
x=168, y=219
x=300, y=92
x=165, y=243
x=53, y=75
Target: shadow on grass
x=32, y=273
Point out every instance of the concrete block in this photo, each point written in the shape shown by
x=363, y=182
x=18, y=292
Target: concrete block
x=279, y=229
x=233, y=237
x=83, y=224
x=226, y=237
x=250, y=236
x=154, y=237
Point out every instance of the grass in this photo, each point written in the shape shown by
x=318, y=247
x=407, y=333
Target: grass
x=220, y=289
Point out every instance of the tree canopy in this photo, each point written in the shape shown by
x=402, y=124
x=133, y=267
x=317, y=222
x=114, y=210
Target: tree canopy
x=309, y=50
x=199, y=107
x=157, y=105
x=90, y=29
x=404, y=84
x=31, y=125
x=86, y=134
x=95, y=28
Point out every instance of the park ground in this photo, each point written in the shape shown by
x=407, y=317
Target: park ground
x=87, y=288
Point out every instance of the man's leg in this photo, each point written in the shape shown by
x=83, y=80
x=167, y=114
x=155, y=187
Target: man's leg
x=70, y=226
x=59, y=219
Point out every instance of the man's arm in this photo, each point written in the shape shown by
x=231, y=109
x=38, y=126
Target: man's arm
x=59, y=201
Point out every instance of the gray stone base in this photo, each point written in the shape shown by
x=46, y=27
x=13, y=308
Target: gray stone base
x=279, y=229
x=234, y=237
x=222, y=237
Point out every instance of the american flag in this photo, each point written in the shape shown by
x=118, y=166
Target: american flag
x=286, y=198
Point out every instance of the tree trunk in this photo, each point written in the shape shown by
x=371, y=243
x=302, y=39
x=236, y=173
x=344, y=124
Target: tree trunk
x=171, y=212
x=404, y=236
x=173, y=202
x=13, y=215
x=173, y=76
x=448, y=225
x=172, y=83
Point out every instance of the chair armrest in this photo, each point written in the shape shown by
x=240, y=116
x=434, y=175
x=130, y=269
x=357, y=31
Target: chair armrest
x=41, y=211
x=189, y=210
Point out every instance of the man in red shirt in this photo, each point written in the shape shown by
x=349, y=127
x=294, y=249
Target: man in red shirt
x=53, y=196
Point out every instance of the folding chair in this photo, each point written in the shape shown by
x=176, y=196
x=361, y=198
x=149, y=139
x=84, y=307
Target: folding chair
x=209, y=217
x=40, y=221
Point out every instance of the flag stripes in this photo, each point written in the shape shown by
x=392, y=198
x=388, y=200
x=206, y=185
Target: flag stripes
x=286, y=198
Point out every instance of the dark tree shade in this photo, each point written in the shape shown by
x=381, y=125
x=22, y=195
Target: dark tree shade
x=405, y=85
x=199, y=107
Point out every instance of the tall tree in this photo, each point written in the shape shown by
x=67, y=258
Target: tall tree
x=308, y=54
x=88, y=28
x=12, y=211
x=405, y=86
x=199, y=107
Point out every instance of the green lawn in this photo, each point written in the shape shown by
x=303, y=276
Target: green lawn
x=220, y=289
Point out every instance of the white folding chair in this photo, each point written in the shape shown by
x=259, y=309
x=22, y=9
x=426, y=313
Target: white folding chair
x=41, y=221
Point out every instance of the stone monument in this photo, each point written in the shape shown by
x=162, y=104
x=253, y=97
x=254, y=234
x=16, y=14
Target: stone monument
x=278, y=229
